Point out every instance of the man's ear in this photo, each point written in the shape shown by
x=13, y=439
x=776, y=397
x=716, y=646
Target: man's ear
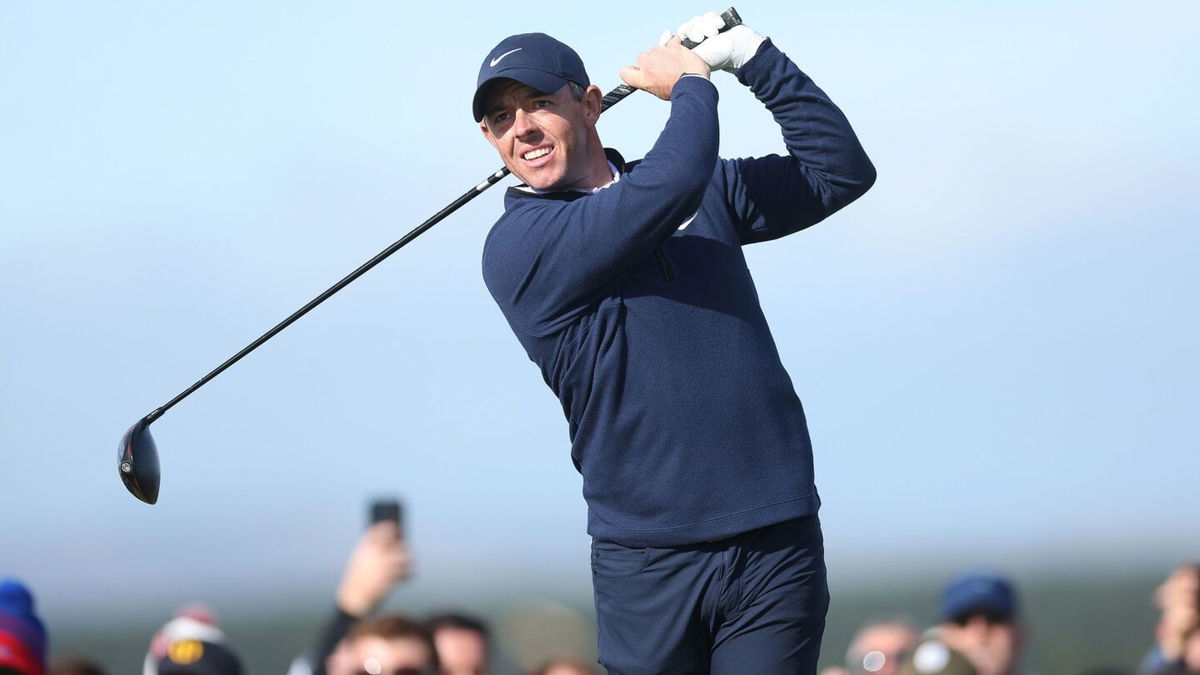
x=487, y=133
x=591, y=102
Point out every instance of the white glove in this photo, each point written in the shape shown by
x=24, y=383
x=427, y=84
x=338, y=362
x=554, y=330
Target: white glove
x=722, y=51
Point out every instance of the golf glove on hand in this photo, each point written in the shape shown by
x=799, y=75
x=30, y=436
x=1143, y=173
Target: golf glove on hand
x=726, y=51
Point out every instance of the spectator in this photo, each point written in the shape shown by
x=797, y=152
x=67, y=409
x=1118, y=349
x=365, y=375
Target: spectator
x=1177, y=648
x=462, y=643
x=380, y=560
x=22, y=635
x=565, y=666
x=191, y=643
x=393, y=645
x=881, y=647
x=980, y=619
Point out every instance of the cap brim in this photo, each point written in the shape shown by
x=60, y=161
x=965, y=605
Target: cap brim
x=540, y=80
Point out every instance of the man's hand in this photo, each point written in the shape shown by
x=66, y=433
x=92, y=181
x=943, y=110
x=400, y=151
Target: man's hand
x=379, y=561
x=726, y=51
x=659, y=69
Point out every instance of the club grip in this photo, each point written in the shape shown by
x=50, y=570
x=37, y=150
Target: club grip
x=731, y=18
x=615, y=96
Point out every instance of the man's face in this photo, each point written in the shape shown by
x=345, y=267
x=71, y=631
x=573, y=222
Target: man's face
x=543, y=138
x=376, y=655
x=461, y=651
x=992, y=646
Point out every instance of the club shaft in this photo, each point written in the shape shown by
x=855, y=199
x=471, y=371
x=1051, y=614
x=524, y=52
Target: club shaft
x=610, y=99
x=380, y=257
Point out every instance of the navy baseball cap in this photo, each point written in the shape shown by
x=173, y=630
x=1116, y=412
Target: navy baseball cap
x=979, y=591
x=534, y=59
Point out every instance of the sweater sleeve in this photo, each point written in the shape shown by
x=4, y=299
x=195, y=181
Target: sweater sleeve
x=548, y=259
x=824, y=170
x=334, y=630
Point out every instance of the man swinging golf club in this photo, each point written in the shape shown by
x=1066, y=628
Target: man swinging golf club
x=626, y=284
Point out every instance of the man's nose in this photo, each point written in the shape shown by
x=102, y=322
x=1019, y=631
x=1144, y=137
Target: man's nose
x=523, y=124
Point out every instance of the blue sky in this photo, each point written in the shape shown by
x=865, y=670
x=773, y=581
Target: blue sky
x=995, y=347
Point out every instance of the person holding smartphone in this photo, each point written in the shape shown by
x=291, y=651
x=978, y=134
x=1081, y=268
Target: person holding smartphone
x=378, y=563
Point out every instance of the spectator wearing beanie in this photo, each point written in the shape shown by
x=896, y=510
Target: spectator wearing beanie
x=191, y=643
x=22, y=635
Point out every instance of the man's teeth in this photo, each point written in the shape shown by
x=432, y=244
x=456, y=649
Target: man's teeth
x=534, y=154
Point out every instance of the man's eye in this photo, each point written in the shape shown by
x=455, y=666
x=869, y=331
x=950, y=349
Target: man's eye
x=501, y=117
x=541, y=103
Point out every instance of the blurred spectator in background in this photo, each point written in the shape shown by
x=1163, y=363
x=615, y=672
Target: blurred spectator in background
x=980, y=619
x=564, y=666
x=22, y=635
x=380, y=560
x=75, y=666
x=462, y=643
x=881, y=646
x=932, y=657
x=391, y=645
x=191, y=643
x=1177, y=645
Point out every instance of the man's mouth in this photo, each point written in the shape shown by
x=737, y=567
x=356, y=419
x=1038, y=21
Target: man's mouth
x=537, y=153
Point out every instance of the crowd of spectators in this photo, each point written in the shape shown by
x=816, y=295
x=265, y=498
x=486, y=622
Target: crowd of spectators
x=356, y=638
x=980, y=631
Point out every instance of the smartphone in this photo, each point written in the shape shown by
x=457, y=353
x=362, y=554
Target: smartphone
x=387, y=509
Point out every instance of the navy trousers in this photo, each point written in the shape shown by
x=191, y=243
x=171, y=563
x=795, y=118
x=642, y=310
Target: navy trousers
x=751, y=603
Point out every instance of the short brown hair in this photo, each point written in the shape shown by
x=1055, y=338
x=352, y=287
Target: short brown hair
x=394, y=627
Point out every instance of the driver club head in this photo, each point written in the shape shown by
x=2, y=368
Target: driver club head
x=137, y=462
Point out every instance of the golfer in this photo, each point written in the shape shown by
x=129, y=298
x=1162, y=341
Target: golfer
x=626, y=283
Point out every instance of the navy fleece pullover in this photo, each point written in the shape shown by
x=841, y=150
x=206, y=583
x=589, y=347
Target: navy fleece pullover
x=636, y=304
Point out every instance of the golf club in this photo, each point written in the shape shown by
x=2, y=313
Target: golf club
x=137, y=455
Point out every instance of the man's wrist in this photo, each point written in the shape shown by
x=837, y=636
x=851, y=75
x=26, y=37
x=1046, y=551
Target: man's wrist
x=353, y=603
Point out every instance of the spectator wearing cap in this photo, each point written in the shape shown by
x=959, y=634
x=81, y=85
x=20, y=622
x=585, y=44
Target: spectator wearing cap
x=22, y=635
x=196, y=657
x=191, y=643
x=881, y=647
x=980, y=619
x=461, y=642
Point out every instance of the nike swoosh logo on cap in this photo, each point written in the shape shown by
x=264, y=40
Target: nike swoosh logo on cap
x=498, y=58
